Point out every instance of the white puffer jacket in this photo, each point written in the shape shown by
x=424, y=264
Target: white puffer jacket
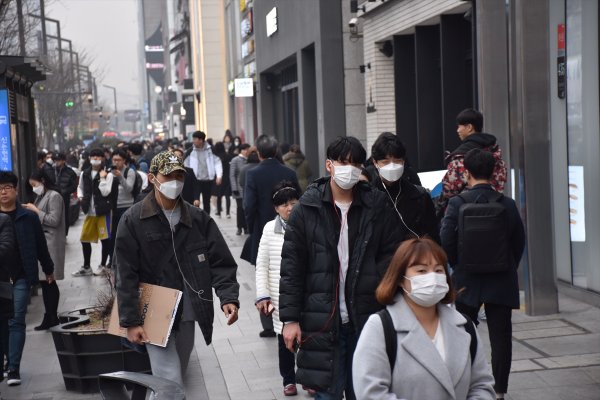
x=268, y=263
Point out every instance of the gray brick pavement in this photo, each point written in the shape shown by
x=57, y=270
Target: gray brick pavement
x=555, y=357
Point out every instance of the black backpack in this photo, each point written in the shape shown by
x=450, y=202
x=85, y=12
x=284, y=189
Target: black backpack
x=391, y=339
x=483, y=234
x=137, y=186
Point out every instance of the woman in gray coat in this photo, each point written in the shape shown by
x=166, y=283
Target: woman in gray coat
x=49, y=206
x=433, y=354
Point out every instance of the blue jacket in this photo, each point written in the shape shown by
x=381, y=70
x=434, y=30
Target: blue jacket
x=500, y=288
x=258, y=204
x=32, y=244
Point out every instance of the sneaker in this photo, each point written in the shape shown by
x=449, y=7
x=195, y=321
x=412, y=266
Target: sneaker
x=102, y=270
x=14, y=379
x=86, y=270
x=481, y=315
x=290, y=390
x=239, y=232
x=228, y=216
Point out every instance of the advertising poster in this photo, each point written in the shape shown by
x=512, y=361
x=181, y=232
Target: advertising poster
x=576, y=203
x=5, y=142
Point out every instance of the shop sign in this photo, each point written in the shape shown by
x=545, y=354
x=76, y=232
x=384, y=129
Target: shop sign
x=247, y=48
x=250, y=69
x=5, y=142
x=242, y=5
x=244, y=87
x=561, y=63
x=272, y=22
x=246, y=26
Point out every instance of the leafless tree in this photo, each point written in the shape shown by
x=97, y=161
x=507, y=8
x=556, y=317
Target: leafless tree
x=9, y=27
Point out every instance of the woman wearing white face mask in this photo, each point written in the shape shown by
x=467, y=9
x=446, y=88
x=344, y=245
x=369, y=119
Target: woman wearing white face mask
x=49, y=207
x=438, y=354
x=388, y=172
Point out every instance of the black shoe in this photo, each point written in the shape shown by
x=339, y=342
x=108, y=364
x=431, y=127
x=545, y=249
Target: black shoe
x=48, y=323
x=42, y=326
x=14, y=379
x=245, y=231
x=239, y=232
x=267, y=333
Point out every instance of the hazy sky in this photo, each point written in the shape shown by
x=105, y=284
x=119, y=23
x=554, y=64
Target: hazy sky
x=108, y=31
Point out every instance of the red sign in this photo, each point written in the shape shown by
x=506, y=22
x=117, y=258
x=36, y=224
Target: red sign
x=561, y=36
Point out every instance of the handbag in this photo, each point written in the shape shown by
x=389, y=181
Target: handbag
x=6, y=291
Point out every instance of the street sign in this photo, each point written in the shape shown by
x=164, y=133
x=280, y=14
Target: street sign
x=133, y=115
x=5, y=143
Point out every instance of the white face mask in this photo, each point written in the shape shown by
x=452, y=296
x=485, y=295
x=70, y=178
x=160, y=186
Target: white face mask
x=391, y=172
x=49, y=161
x=95, y=163
x=427, y=289
x=346, y=176
x=39, y=190
x=171, y=189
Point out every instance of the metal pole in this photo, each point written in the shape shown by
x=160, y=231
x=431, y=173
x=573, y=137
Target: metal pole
x=44, y=38
x=21, y=27
x=45, y=35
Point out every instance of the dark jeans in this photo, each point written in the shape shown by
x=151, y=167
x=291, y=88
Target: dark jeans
x=287, y=363
x=66, y=200
x=203, y=188
x=116, y=218
x=347, y=339
x=499, y=322
x=241, y=217
x=16, y=325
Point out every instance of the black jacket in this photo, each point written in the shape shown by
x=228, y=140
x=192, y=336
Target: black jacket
x=413, y=202
x=8, y=253
x=258, y=204
x=310, y=270
x=144, y=253
x=500, y=288
x=65, y=180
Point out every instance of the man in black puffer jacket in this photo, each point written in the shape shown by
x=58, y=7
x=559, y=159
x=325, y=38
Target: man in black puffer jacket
x=338, y=244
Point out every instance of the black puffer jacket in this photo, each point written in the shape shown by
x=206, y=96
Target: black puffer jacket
x=8, y=254
x=310, y=267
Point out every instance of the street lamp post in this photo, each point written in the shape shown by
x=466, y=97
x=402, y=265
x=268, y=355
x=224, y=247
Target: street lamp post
x=114, y=89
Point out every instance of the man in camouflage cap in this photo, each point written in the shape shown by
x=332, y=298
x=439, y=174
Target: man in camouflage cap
x=165, y=241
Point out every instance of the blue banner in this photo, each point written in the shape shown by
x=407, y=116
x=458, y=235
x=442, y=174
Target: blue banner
x=5, y=145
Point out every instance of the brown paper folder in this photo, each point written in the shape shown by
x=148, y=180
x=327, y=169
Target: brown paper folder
x=158, y=306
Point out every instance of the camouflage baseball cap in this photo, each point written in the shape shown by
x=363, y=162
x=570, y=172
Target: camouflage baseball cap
x=165, y=163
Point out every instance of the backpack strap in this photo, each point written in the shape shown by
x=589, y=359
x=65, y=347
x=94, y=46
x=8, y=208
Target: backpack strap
x=389, y=332
x=470, y=328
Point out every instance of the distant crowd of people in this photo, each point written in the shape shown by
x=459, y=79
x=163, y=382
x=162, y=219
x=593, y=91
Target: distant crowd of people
x=372, y=288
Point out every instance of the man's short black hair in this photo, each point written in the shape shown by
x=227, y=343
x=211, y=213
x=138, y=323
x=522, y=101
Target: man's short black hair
x=388, y=145
x=9, y=177
x=41, y=156
x=283, y=192
x=470, y=116
x=480, y=163
x=136, y=148
x=59, y=156
x=96, y=153
x=199, y=135
x=244, y=146
x=121, y=153
x=266, y=146
x=346, y=149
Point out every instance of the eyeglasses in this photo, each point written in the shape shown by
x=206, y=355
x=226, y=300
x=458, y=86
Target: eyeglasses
x=6, y=188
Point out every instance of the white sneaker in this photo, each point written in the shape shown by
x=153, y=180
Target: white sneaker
x=101, y=271
x=83, y=271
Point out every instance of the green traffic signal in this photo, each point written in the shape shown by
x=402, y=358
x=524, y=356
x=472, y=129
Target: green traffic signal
x=69, y=103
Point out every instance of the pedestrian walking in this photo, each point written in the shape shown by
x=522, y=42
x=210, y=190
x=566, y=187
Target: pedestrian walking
x=296, y=161
x=235, y=168
x=412, y=203
x=187, y=193
x=65, y=180
x=32, y=249
x=97, y=192
x=484, y=237
x=268, y=264
x=338, y=243
x=207, y=167
x=48, y=206
x=224, y=189
x=424, y=349
x=165, y=241
x=10, y=269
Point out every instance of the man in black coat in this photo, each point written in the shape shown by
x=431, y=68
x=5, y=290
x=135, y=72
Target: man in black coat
x=65, y=180
x=337, y=247
x=166, y=241
x=258, y=205
x=499, y=291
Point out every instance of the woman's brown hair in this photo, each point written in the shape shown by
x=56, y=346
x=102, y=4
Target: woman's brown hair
x=409, y=253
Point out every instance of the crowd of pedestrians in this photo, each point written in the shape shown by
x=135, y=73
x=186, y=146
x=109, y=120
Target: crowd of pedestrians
x=372, y=288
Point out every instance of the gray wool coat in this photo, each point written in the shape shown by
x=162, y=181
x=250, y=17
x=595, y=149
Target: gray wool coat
x=52, y=217
x=420, y=372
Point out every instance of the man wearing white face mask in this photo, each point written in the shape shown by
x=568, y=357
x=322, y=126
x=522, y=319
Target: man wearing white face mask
x=336, y=248
x=413, y=205
x=166, y=241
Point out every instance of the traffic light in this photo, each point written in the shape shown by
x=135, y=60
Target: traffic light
x=69, y=103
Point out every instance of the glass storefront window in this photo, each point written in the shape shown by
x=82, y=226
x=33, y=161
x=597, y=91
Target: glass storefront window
x=583, y=127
